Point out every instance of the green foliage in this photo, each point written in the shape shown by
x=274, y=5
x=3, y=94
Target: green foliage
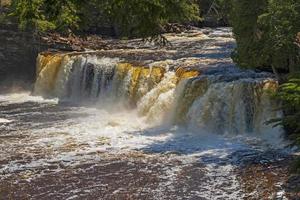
x=47, y=14
x=2, y=18
x=280, y=25
x=289, y=95
x=137, y=18
x=266, y=32
x=225, y=7
x=144, y=18
x=218, y=9
x=244, y=16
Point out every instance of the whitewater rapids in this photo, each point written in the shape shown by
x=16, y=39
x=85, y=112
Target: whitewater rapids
x=100, y=127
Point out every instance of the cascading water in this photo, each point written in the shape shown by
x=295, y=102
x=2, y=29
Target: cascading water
x=80, y=78
x=172, y=124
x=218, y=100
x=235, y=107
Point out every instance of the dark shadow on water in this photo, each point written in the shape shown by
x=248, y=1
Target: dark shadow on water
x=181, y=140
x=209, y=148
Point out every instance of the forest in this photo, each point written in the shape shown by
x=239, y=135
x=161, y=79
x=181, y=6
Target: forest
x=167, y=77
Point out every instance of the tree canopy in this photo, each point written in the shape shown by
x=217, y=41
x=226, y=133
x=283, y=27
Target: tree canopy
x=142, y=18
x=266, y=32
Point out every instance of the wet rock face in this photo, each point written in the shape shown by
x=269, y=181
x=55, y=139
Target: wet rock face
x=17, y=54
x=17, y=51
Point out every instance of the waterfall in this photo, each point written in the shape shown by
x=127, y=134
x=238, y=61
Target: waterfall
x=184, y=116
x=235, y=107
x=218, y=100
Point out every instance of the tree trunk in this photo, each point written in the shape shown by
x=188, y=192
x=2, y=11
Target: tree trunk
x=277, y=75
x=293, y=67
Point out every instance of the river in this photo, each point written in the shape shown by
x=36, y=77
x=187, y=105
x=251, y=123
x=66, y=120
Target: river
x=181, y=122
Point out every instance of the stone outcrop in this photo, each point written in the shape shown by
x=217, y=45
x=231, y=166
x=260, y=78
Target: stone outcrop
x=18, y=51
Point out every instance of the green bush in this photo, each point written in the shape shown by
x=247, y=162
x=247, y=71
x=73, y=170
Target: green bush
x=289, y=95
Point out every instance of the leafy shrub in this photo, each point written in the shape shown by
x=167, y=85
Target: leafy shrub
x=289, y=95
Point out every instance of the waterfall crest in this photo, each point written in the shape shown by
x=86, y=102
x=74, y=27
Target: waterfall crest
x=219, y=100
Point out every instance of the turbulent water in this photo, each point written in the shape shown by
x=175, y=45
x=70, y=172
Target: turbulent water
x=109, y=127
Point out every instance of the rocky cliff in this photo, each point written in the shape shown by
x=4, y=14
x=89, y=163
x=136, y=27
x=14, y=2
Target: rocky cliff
x=18, y=51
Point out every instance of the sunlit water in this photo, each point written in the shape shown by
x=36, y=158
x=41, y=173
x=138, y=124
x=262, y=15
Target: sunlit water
x=41, y=137
x=179, y=128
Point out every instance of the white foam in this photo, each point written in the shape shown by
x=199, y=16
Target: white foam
x=2, y=121
x=16, y=98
